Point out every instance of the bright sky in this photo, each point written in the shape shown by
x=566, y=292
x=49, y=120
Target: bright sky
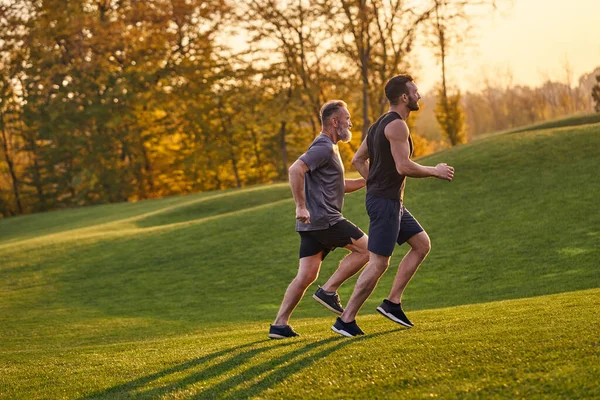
x=533, y=38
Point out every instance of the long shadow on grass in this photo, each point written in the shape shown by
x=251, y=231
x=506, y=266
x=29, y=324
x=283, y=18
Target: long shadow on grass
x=276, y=370
x=131, y=388
x=279, y=371
x=227, y=365
x=280, y=374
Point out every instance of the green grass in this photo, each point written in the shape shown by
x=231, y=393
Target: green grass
x=528, y=348
x=147, y=213
x=173, y=297
x=574, y=120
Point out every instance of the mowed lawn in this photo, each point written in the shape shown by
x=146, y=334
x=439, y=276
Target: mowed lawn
x=173, y=297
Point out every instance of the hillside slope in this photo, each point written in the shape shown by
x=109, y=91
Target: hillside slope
x=519, y=220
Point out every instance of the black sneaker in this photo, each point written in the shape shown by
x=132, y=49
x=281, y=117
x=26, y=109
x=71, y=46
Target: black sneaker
x=348, y=329
x=330, y=301
x=394, y=312
x=281, y=332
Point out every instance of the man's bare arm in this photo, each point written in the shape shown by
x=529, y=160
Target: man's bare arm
x=360, y=161
x=296, y=174
x=397, y=134
x=351, y=185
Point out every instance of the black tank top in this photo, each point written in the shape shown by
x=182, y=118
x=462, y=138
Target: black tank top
x=384, y=181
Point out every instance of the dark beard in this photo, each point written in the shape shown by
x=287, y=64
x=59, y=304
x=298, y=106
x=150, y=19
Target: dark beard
x=413, y=105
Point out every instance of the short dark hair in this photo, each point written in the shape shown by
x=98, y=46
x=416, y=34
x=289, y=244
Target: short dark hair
x=396, y=87
x=330, y=108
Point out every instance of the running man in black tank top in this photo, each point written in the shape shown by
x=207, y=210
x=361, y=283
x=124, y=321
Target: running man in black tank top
x=384, y=160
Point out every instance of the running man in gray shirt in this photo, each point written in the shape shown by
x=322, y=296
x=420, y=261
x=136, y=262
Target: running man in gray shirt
x=318, y=185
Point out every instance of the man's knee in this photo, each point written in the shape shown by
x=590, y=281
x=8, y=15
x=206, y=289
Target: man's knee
x=421, y=245
x=379, y=263
x=363, y=254
x=372, y=272
x=364, y=257
x=307, y=278
x=309, y=270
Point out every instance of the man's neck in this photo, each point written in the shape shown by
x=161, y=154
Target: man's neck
x=402, y=110
x=330, y=134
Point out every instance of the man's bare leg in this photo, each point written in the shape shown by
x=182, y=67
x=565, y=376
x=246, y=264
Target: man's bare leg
x=307, y=274
x=365, y=285
x=350, y=265
x=420, y=247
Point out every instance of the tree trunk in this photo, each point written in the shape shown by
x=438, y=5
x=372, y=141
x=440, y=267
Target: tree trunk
x=282, y=148
x=147, y=168
x=442, y=39
x=365, y=105
x=445, y=105
x=69, y=175
x=364, y=66
x=226, y=122
x=37, y=176
x=11, y=168
x=234, y=165
x=259, y=166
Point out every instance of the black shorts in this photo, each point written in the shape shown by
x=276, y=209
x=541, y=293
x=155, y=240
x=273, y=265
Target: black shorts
x=338, y=235
x=390, y=223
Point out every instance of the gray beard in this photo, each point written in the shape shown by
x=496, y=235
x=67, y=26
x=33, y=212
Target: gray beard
x=344, y=135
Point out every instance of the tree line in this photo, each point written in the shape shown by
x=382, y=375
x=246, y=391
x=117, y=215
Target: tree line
x=122, y=100
x=499, y=104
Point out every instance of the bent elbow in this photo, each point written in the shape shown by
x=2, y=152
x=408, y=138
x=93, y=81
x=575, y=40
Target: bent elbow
x=293, y=169
x=357, y=160
x=402, y=170
x=296, y=170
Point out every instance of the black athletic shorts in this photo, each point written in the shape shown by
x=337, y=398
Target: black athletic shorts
x=390, y=223
x=338, y=235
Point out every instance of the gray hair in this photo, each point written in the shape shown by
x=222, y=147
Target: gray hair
x=330, y=108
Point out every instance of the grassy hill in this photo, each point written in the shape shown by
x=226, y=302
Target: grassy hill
x=173, y=297
x=575, y=120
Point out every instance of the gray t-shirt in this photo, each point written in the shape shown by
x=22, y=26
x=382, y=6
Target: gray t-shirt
x=323, y=184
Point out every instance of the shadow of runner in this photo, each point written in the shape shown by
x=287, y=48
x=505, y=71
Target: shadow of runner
x=208, y=372
x=129, y=387
x=279, y=374
x=255, y=371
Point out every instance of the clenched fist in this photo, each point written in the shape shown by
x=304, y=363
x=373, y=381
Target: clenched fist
x=444, y=171
x=303, y=215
